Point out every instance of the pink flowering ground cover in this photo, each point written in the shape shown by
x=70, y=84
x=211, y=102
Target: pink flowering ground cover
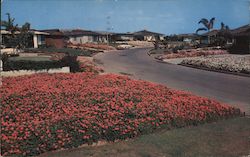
x=193, y=53
x=45, y=112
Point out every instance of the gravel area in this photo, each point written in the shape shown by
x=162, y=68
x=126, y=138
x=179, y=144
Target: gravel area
x=228, y=62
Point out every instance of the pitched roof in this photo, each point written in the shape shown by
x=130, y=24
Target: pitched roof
x=32, y=31
x=55, y=32
x=124, y=34
x=241, y=31
x=145, y=33
x=78, y=32
x=211, y=33
x=104, y=32
x=187, y=35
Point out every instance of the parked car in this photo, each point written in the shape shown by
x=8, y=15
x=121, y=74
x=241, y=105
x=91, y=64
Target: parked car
x=10, y=51
x=124, y=46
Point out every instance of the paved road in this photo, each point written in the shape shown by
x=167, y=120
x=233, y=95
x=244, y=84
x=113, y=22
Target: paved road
x=226, y=88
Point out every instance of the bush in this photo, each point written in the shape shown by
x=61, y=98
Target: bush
x=30, y=65
x=68, y=60
x=72, y=62
x=70, y=51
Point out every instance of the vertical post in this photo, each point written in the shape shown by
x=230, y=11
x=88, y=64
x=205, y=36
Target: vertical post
x=107, y=38
x=35, y=44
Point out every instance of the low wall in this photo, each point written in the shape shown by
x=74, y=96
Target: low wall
x=29, y=72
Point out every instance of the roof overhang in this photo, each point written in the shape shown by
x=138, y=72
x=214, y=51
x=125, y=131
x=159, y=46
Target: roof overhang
x=18, y=32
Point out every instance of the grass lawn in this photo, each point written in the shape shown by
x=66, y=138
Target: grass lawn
x=31, y=58
x=45, y=112
x=227, y=138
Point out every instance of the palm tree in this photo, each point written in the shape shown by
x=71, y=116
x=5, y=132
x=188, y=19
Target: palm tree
x=12, y=28
x=19, y=36
x=224, y=27
x=208, y=24
x=9, y=24
x=224, y=34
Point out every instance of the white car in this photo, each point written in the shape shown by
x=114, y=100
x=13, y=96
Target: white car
x=124, y=46
x=10, y=51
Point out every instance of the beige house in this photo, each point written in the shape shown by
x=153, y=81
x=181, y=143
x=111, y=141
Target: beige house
x=36, y=40
x=79, y=36
x=146, y=35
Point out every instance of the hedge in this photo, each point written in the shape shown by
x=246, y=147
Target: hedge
x=70, y=61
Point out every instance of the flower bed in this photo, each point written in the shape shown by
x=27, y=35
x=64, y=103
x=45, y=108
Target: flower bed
x=231, y=63
x=46, y=112
x=92, y=46
x=86, y=64
x=193, y=53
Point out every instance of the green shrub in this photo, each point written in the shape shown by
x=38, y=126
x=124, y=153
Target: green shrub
x=70, y=61
x=30, y=65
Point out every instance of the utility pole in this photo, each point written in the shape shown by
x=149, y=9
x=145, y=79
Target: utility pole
x=109, y=28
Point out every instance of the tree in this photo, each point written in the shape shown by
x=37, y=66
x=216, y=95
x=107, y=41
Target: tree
x=24, y=37
x=208, y=24
x=224, y=35
x=19, y=36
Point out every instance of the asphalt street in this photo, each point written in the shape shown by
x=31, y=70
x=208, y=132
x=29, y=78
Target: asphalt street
x=227, y=88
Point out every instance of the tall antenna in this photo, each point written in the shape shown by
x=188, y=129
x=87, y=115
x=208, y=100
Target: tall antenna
x=109, y=27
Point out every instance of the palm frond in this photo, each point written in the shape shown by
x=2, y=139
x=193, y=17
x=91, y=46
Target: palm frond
x=211, y=23
x=203, y=20
x=222, y=26
x=201, y=29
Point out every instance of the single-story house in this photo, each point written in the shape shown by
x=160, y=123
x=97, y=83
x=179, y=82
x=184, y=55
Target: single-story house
x=79, y=36
x=209, y=37
x=37, y=38
x=60, y=37
x=145, y=35
x=241, y=38
x=104, y=37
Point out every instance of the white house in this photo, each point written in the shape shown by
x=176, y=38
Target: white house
x=36, y=40
x=79, y=36
x=148, y=35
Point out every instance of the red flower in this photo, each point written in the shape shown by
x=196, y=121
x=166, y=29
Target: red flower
x=52, y=111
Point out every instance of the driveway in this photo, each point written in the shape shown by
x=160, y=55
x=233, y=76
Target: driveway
x=226, y=88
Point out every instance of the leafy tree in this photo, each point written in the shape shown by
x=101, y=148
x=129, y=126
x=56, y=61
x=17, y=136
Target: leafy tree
x=208, y=25
x=24, y=36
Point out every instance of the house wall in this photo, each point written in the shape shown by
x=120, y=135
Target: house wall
x=241, y=45
x=82, y=39
x=87, y=39
x=127, y=38
x=152, y=38
x=149, y=38
x=103, y=39
x=55, y=41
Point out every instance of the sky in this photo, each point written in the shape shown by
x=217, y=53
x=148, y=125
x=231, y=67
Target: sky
x=163, y=16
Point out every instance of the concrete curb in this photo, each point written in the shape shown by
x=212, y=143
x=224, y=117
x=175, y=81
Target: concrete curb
x=215, y=70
